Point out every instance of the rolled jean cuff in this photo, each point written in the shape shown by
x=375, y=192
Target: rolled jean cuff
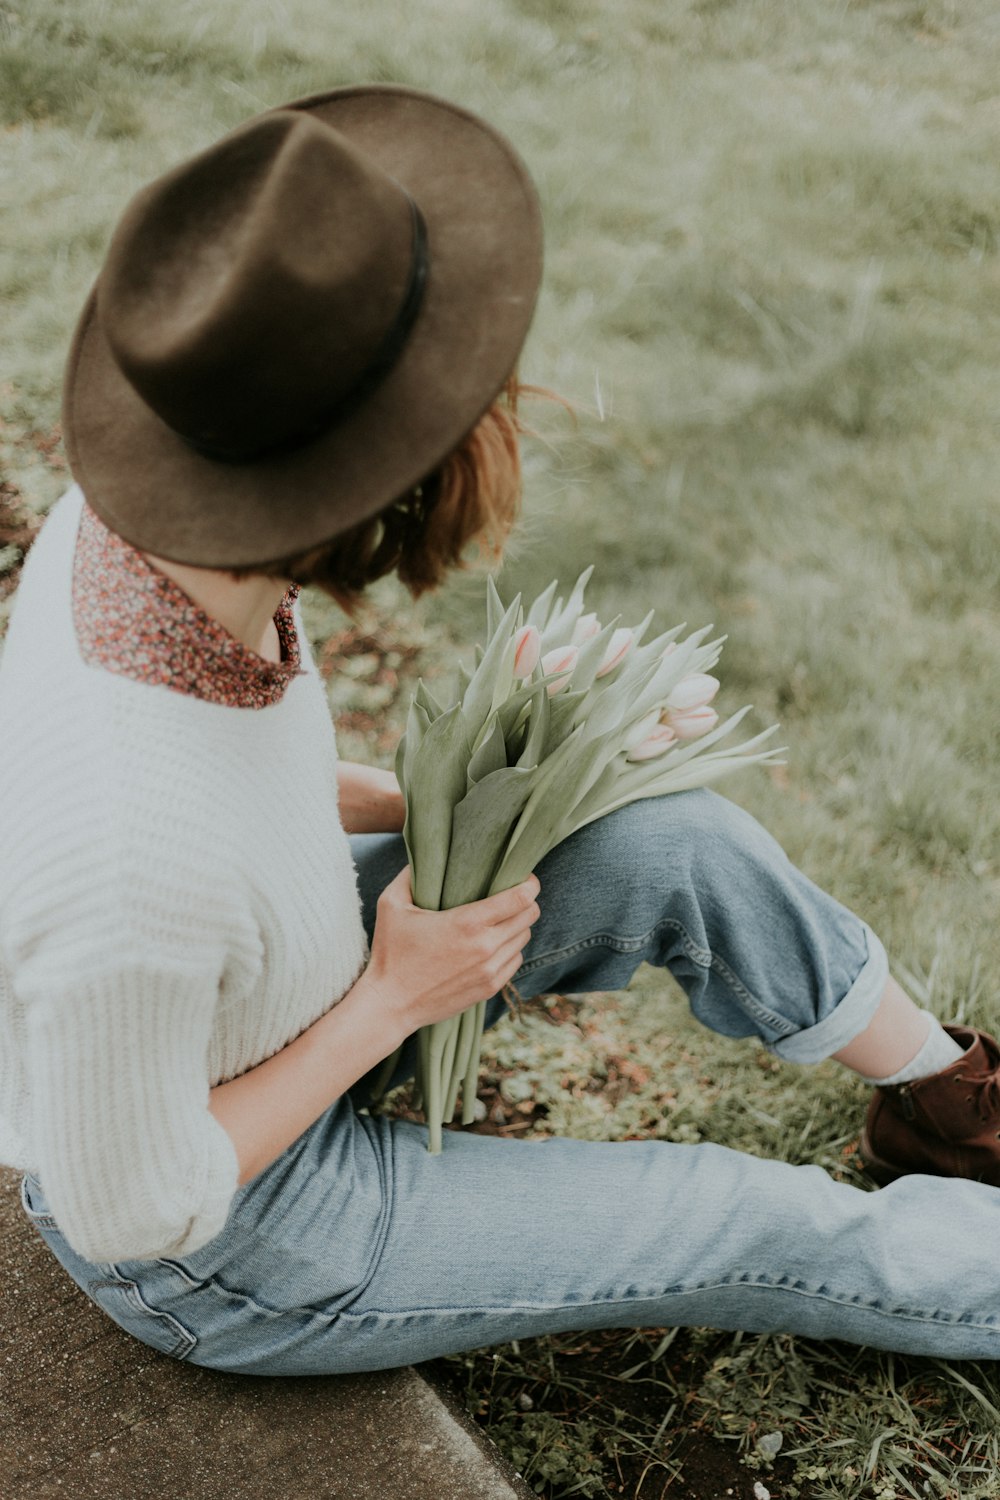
x=848, y=1020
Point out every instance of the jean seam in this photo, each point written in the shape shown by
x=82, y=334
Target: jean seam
x=701, y=956
x=186, y=1341
x=230, y=1294
x=758, y=1283
x=174, y=1265
x=760, y=1012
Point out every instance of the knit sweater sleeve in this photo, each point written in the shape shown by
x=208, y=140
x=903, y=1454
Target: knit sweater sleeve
x=119, y=969
x=133, y=1163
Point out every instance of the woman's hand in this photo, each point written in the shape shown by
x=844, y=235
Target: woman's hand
x=428, y=965
x=425, y=965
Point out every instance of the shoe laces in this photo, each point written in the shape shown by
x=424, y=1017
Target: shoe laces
x=985, y=1094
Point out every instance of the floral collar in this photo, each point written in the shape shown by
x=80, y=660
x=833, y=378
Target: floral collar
x=134, y=621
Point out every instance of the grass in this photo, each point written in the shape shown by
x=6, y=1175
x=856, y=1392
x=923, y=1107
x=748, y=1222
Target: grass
x=773, y=295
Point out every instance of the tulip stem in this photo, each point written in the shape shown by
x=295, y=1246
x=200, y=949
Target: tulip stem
x=440, y=1035
x=466, y=1041
x=471, y=1077
x=448, y=1068
x=381, y=1084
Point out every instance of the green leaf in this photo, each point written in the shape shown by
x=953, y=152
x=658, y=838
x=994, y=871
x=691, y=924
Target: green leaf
x=503, y=684
x=591, y=656
x=538, y=727
x=491, y=753
x=638, y=631
x=417, y=724
x=654, y=649
x=435, y=782
x=494, y=609
x=686, y=778
x=678, y=770
x=563, y=779
x=513, y=708
x=515, y=720
x=427, y=701
x=538, y=614
x=617, y=704
x=560, y=625
x=562, y=719
x=480, y=826
x=478, y=703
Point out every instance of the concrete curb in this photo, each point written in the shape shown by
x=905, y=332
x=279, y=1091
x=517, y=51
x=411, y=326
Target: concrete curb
x=87, y=1412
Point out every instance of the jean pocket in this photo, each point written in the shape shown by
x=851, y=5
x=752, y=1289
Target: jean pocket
x=114, y=1293
x=121, y=1298
x=31, y=1197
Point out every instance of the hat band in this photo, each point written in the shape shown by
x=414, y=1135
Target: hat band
x=383, y=360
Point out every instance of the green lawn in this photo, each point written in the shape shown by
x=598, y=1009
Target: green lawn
x=773, y=296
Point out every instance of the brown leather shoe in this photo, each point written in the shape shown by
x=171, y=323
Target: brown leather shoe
x=947, y=1124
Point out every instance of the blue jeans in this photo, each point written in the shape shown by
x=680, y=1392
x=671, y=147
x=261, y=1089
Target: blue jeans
x=356, y=1250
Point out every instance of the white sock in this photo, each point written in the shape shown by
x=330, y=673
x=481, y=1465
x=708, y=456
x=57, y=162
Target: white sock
x=939, y=1051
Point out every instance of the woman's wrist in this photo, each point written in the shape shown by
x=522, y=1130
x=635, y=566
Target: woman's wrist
x=265, y=1109
x=370, y=799
x=384, y=1008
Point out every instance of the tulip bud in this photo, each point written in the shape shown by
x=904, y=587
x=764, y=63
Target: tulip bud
x=527, y=648
x=619, y=647
x=639, y=731
x=693, y=692
x=562, y=660
x=586, y=627
x=657, y=742
x=690, y=723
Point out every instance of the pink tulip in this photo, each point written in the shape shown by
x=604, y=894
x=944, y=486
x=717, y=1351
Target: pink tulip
x=562, y=660
x=657, y=742
x=693, y=692
x=586, y=627
x=690, y=723
x=639, y=730
x=527, y=649
x=619, y=647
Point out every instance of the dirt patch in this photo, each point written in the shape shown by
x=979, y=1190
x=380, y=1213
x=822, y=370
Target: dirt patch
x=709, y=1469
x=605, y=1415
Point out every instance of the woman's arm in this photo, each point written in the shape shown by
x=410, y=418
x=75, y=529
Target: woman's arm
x=425, y=965
x=370, y=800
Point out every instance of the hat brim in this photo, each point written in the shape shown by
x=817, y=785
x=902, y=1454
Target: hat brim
x=485, y=246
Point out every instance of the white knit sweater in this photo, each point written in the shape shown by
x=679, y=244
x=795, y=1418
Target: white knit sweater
x=177, y=903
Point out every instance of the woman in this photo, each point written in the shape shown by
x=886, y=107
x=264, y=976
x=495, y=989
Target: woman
x=296, y=367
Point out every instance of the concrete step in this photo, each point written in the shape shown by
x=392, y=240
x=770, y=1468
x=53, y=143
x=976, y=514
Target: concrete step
x=88, y=1413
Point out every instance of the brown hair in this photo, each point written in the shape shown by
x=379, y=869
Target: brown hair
x=474, y=495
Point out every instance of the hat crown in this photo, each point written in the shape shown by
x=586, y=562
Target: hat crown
x=247, y=293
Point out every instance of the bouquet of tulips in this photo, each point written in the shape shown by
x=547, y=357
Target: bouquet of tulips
x=561, y=721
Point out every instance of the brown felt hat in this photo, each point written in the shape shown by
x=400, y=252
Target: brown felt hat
x=294, y=327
